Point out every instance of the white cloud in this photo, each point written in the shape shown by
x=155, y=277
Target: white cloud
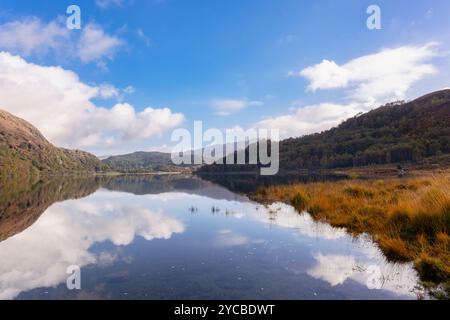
x=95, y=44
x=108, y=91
x=60, y=106
x=310, y=119
x=141, y=35
x=326, y=75
x=32, y=36
x=225, y=107
x=104, y=4
x=378, y=77
x=368, y=81
x=129, y=90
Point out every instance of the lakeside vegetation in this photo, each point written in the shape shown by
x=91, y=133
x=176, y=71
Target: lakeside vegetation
x=409, y=218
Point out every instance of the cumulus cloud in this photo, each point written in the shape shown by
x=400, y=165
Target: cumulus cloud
x=368, y=82
x=310, y=119
x=225, y=107
x=387, y=74
x=108, y=91
x=94, y=44
x=32, y=36
x=60, y=106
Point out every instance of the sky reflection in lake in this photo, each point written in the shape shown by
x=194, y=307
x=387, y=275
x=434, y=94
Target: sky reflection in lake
x=203, y=243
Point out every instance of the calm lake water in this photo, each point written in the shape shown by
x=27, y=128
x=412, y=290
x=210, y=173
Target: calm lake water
x=173, y=237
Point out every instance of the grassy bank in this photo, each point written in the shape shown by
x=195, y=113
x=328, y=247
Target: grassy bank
x=408, y=218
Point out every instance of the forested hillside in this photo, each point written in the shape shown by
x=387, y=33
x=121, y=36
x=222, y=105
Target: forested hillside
x=143, y=162
x=395, y=133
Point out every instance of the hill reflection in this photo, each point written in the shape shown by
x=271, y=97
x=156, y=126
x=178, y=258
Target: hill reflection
x=23, y=201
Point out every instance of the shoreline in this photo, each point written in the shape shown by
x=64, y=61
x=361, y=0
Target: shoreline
x=408, y=218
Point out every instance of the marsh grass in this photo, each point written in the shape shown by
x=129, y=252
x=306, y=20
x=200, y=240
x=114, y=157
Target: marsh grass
x=408, y=218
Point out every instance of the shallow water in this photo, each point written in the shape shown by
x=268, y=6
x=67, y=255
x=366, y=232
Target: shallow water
x=182, y=238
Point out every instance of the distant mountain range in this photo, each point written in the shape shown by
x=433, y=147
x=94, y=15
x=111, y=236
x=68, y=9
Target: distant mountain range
x=24, y=150
x=151, y=161
x=143, y=162
x=398, y=132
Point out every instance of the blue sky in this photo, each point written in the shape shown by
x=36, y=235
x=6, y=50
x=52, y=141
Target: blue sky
x=229, y=63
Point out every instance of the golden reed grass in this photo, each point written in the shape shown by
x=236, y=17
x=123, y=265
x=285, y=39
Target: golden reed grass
x=409, y=218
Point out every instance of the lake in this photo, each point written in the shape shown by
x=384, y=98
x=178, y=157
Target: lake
x=179, y=237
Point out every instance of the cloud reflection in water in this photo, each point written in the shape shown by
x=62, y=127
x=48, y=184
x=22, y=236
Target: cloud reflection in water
x=63, y=236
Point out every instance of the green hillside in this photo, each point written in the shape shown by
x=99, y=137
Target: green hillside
x=24, y=150
x=395, y=133
x=143, y=162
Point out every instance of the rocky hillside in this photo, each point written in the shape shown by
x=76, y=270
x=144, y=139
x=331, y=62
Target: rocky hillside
x=24, y=150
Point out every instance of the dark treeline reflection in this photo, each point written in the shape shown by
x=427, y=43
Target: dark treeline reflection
x=250, y=182
x=153, y=184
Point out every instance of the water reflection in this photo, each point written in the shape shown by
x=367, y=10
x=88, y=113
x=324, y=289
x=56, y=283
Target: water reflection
x=366, y=259
x=63, y=236
x=23, y=202
x=249, y=182
x=179, y=237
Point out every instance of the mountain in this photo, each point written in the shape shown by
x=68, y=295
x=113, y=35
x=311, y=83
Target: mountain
x=143, y=161
x=24, y=150
x=154, y=161
x=394, y=133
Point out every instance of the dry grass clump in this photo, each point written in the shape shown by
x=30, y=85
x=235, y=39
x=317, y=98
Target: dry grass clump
x=408, y=218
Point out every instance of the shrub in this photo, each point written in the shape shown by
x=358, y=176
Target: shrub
x=431, y=269
x=299, y=202
x=358, y=192
x=394, y=248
